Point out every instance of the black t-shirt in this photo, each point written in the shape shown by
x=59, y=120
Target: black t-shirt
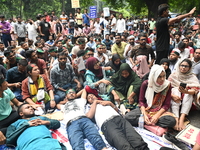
x=163, y=37
x=45, y=27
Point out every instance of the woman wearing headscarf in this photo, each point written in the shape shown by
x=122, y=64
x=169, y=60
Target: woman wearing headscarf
x=185, y=84
x=154, y=100
x=115, y=62
x=125, y=86
x=37, y=89
x=165, y=63
x=94, y=76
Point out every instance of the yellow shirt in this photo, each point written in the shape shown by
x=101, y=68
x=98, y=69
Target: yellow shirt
x=119, y=49
x=79, y=22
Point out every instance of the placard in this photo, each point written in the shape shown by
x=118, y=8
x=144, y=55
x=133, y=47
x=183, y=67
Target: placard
x=75, y=4
x=93, y=11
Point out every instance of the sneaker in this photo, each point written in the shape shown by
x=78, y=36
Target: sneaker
x=171, y=139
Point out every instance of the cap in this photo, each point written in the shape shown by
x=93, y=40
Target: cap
x=176, y=51
x=52, y=49
x=40, y=51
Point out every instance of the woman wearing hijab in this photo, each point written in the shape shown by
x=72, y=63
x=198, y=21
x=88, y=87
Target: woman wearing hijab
x=37, y=89
x=94, y=76
x=125, y=86
x=115, y=62
x=154, y=100
x=165, y=63
x=185, y=84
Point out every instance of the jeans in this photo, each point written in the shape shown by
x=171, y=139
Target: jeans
x=6, y=38
x=120, y=134
x=62, y=94
x=84, y=128
x=18, y=95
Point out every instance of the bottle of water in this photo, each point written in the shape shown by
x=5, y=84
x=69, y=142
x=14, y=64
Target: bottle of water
x=141, y=121
x=43, y=107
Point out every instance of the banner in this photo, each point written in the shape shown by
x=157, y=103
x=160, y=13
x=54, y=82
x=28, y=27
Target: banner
x=93, y=11
x=75, y=4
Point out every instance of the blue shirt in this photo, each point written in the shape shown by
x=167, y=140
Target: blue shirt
x=13, y=75
x=86, y=19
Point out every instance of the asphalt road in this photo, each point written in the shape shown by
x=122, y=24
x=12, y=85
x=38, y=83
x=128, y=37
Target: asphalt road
x=194, y=117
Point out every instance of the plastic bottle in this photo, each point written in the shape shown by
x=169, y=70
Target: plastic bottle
x=141, y=121
x=43, y=106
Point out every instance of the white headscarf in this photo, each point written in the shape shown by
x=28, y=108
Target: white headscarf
x=153, y=86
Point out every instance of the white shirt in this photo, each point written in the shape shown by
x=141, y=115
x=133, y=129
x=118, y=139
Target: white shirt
x=185, y=54
x=121, y=26
x=31, y=29
x=103, y=113
x=100, y=58
x=97, y=28
x=73, y=109
x=114, y=21
x=106, y=30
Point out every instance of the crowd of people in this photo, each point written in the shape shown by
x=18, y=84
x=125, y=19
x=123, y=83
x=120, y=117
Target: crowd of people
x=121, y=67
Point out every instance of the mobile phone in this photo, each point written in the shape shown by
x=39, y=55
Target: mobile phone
x=183, y=85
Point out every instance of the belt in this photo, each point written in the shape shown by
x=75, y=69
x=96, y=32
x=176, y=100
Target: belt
x=70, y=121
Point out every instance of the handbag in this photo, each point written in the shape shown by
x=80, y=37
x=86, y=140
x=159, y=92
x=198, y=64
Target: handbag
x=156, y=129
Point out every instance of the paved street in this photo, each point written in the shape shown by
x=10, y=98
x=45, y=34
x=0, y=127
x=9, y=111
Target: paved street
x=194, y=118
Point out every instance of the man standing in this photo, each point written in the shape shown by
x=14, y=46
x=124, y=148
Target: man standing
x=32, y=132
x=44, y=29
x=86, y=18
x=162, y=42
x=118, y=47
x=79, y=18
x=113, y=24
x=121, y=25
x=78, y=125
x=63, y=77
x=63, y=18
x=152, y=24
x=5, y=30
x=20, y=30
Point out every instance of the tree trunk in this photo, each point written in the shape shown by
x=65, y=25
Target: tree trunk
x=153, y=7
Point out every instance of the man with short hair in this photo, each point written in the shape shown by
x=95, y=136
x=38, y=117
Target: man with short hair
x=102, y=58
x=33, y=58
x=63, y=18
x=163, y=37
x=78, y=125
x=79, y=18
x=7, y=114
x=44, y=29
x=118, y=47
x=196, y=63
x=174, y=58
x=177, y=39
x=121, y=25
x=142, y=49
x=62, y=76
x=113, y=24
x=32, y=132
x=5, y=30
x=15, y=76
x=107, y=42
x=116, y=129
x=86, y=18
x=20, y=30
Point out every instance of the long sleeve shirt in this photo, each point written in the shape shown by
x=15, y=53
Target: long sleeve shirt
x=5, y=27
x=60, y=77
x=20, y=29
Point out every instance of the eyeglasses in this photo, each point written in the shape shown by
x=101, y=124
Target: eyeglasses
x=184, y=66
x=142, y=39
x=90, y=54
x=97, y=63
x=71, y=92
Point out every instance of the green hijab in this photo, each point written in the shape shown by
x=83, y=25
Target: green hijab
x=122, y=84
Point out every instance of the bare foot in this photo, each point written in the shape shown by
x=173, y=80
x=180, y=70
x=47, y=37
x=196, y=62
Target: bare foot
x=181, y=125
x=176, y=127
